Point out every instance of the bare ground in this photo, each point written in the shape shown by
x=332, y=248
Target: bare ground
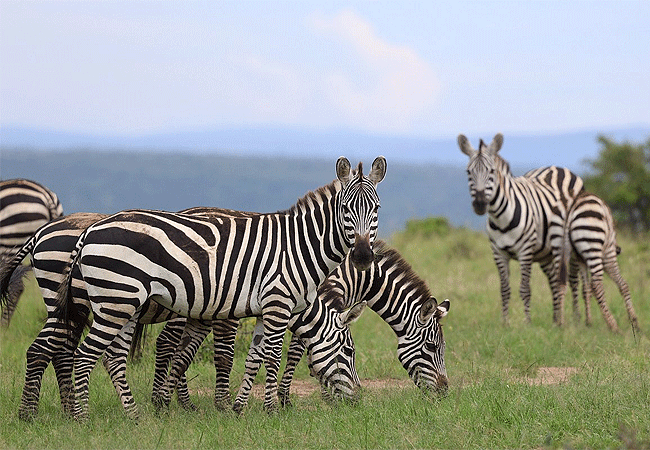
x=545, y=376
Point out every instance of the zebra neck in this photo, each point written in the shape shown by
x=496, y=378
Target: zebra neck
x=315, y=221
x=504, y=211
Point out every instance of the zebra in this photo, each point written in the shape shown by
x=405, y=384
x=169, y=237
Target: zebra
x=402, y=299
x=25, y=205
x=593, y=242
x=526, y=218
x=50, y=249
x=263, y=265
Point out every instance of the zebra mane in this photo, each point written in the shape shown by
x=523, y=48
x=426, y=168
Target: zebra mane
x=502, y=165
x=321, y=195
x=390, y=257
x=360, y=170
x=387, y=258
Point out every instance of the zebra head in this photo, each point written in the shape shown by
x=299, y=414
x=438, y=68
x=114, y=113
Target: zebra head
x=482, y=170
x=358, y=208
x=331, y=354
x=421, y=348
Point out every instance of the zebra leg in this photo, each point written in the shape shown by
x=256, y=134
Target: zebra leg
x=193, y=335
x=224, y=333
x=104, y=328
x=503, y=265
x=557, y=288
x=275, y=325
x=614, y=272
x=524, y=289
x=586, y=292
x=254, y=360
x=39, y=354
x=114, y=361
x=63, y=362
x=574, y=282
x=596, y=269
x=294, y=355
x=166, y=344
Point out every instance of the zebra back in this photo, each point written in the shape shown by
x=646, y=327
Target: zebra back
x=24, y=206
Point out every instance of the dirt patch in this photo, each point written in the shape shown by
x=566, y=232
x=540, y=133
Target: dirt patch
x=551, y=375
x=305, y=388
x=545, y=376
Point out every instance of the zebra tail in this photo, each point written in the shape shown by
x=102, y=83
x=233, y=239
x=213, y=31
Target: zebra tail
x=565, y=254
x=65, y=312
x=12, y=272
x=137, y=342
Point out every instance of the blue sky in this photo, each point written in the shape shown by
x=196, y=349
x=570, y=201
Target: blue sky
x=412, y=68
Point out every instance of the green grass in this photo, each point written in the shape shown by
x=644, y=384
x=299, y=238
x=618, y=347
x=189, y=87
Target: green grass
x=491, y=402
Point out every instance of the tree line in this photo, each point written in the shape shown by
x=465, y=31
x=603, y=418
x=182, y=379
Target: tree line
x=620, y=175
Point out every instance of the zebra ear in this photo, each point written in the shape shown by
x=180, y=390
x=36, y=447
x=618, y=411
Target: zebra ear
x=351, y=315
x=465, y=146
x=343, y=170
x=427, y=309
x=496, y=144
x=443, y=309
x=378, y=171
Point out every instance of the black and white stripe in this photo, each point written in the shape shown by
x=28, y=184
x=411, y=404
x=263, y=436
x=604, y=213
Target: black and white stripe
x=526, y=218
x=593, y=242
x=49, y=250
x=402, y=299
x=24, y=206
x=208, y=269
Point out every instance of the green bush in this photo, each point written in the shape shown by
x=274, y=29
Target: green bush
x=430, y=226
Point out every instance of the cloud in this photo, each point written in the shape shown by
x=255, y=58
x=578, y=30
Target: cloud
x=386, y=87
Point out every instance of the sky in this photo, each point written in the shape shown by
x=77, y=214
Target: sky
x=409, y=68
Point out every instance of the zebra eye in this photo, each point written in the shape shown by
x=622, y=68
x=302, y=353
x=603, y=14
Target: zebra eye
x=431, y=346
x=349, y=351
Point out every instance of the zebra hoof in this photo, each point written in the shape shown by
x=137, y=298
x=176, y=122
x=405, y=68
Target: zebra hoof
x=81, y=417
x=223, y=404
x=285, y=401
x=27, y=414
x=189, y=406
x=271, y=408
x=160, y=402
x=238, y=407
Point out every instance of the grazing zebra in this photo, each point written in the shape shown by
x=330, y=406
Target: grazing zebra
x=224, y=268
x=593, y=241
x=24, y=206
x=526, y=218
x=402, y=299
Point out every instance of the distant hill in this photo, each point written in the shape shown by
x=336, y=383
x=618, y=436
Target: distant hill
x=174, y=171
x=109, y=181
x=566, y=149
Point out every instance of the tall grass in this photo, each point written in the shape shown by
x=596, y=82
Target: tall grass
x=496, y=398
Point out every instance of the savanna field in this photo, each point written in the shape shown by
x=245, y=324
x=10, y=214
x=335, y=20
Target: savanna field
x=522, y=386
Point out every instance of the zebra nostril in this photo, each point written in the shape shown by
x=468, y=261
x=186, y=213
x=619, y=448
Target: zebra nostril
x=361, y=254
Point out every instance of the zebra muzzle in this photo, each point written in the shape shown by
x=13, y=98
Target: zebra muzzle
x=480, y=204
x=361, y=254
